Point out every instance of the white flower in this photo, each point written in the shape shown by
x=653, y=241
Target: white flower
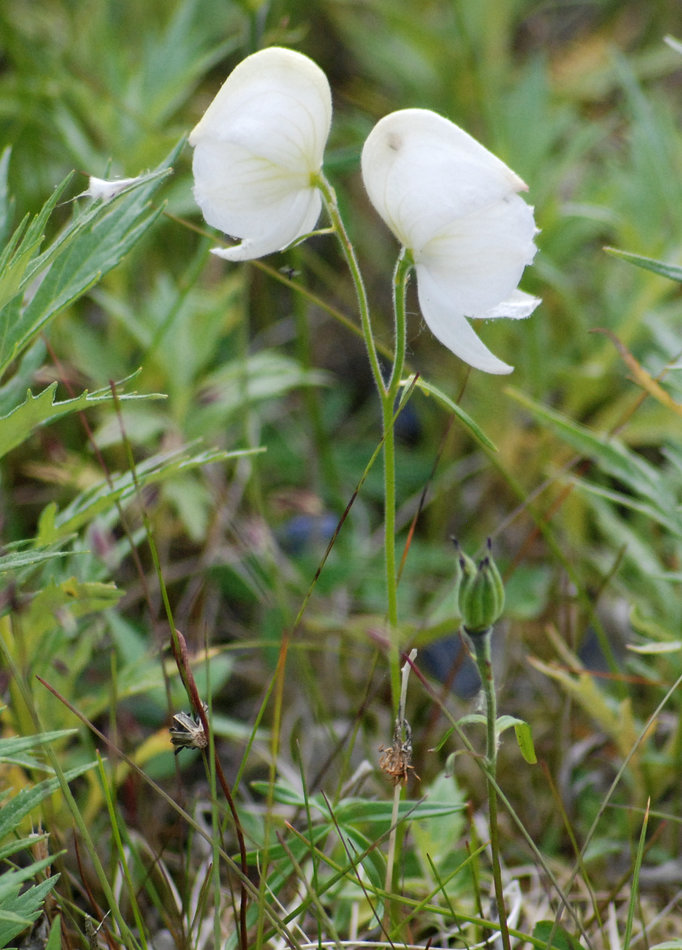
x=258, y=150
x=456, y=207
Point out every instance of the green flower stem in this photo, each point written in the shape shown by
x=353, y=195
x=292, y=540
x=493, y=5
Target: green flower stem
x=332, y=207
x=388, y=400
x=401, y=275
x=389, y=548
x=481, y=644
x=387, y=394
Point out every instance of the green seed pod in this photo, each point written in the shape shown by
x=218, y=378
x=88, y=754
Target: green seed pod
x=481, y=594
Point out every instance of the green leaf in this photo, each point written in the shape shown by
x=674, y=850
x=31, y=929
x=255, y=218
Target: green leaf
x=524, y=737
x=27, y=799
x=20, y=559
x=24, y=373
x=260, y=376
x=20, y=908
x=54, y=941
x=54, y=525
x=15, y=845
x=430, y=390
x=561, y=939
x=91, y=245
x=78, y=597
x=6, y=202
x=92, y=251
x=671, y=271
x=13, y=746
x=35, y=411
x=360, y=810
x=655, y=649
x=607, y=451
x=22, y=248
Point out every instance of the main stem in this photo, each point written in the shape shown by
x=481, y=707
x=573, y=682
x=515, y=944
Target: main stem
x=481, y=644
x=388, y=393
x=388, y=405
x=389, y=549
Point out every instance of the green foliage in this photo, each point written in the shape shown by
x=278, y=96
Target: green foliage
x=671, y=271
x=221, y=497
x=340, y=838
x=90, y=245
x=554, y=936
x=24, y=888
x=35, y=411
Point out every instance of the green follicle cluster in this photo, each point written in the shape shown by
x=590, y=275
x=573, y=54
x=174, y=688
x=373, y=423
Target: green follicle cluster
x=480, y=592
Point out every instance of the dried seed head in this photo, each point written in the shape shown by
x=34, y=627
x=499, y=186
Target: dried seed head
x=187, y=732
x=395, y=761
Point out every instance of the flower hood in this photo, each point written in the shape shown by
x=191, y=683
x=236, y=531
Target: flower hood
x=456, y=207
x=257, y=150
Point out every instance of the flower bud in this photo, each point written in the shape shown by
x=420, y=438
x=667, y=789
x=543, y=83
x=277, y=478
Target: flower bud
x=481, y=594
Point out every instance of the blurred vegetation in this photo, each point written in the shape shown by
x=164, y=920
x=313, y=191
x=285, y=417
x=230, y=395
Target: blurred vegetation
x=267, y=427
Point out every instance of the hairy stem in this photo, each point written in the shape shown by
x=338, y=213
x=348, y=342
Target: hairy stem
x=332, y=207
x=481, y=643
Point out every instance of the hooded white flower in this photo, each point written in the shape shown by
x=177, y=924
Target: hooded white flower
x=456, y=207
x=257, y=150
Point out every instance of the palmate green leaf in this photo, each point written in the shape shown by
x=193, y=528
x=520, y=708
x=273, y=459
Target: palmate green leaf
x=14, y=748
x=15, y=845
x=20, y=908
x=91, y=245
x=22, y=559
x=23, y=803
x=24, y=373
x=19, y=259
x=35, y=411
x=671, y=271
x=80, y=598
x=55, y=525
